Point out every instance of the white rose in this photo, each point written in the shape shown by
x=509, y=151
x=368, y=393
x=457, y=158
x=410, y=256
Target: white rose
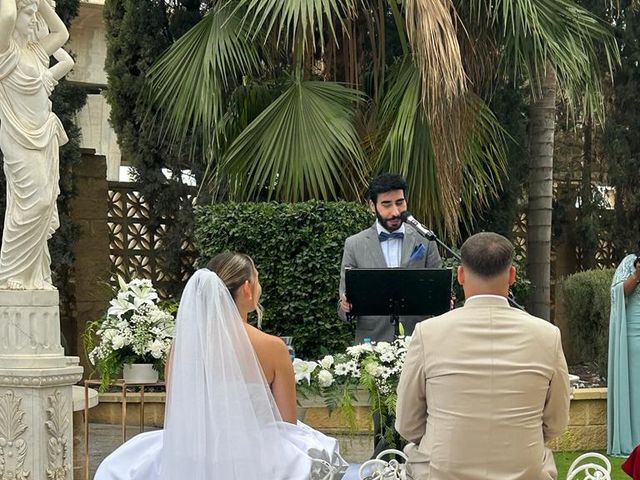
x=156, y=348
x=327, y=362
x=118, y=341
x=325, y=379
x=357, y=350
x=382, y=347
x=372, y=368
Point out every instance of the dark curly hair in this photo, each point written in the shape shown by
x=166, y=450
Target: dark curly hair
x=386, y=182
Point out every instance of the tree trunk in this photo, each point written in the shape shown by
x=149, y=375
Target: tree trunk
x=541, y=136
x=587, y=240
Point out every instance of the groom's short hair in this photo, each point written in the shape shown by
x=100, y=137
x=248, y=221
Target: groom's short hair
x=487, y=254
x=386, y=182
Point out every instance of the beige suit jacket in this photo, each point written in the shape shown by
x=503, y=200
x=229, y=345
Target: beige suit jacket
x=483, y=388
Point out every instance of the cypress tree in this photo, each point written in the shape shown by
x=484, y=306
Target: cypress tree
x=138, y=32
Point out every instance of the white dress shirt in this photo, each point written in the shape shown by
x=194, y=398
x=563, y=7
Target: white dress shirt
x=487, y=295
x=392, y=248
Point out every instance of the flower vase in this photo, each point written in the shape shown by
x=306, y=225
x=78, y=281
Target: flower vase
x=139, y=373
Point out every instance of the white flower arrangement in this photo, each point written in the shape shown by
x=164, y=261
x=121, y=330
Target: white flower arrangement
x=135, y=329
x=374, y=367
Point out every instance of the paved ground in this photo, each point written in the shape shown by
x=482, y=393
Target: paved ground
x=106, y=438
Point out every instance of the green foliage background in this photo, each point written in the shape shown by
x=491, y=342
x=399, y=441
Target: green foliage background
x=587, y=302
x=137, y=32
x=508, y=103
x=298, y=250
x=520, y=290
x=621, y=140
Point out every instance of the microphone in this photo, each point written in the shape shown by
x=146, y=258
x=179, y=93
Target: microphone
x=420, y=228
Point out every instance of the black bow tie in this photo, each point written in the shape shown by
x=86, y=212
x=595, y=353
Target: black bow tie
x=384, y=236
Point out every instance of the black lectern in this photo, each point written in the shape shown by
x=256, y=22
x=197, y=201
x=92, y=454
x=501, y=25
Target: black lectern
x=398, y=291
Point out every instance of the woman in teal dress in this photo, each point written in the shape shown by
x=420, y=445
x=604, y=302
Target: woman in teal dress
x=623, y=396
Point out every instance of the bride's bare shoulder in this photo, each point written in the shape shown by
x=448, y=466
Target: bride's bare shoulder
x=262, y=340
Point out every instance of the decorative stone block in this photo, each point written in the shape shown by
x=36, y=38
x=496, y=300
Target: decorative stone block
x=597, y=413
x=30, y=329
x=563, y=442
x=578, y=413
x=36, y=435
x=322, y=419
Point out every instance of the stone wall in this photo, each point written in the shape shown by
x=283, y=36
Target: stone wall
x=587, y=425
x=587, y=422
x=88, y=43
x=92, y=266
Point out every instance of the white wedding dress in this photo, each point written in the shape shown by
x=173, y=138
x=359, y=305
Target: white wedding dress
x=221, y=422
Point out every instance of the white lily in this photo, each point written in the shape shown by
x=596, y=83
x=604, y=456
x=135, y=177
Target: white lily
x=119, y=306
x=303, y=370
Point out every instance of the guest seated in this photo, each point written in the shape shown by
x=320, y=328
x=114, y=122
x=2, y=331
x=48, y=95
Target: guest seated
x=231, y=406
x=486, y=385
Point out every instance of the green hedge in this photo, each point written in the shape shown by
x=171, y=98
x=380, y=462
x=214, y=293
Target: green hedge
x=520, y=290
x=587, y=302
x=298, y=251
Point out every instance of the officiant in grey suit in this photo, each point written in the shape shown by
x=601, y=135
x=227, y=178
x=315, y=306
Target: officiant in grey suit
x=388, y=243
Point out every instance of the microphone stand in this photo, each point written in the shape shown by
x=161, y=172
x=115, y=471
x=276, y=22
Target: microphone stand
x=429, y=235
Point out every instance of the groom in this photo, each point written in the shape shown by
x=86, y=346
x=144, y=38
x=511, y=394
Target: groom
x=386, y=244
x=484, y=386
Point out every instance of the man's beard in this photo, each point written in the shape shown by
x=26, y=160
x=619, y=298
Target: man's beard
x=385, y=222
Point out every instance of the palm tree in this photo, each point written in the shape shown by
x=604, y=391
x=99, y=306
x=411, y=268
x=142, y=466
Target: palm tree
x=554, y=44
x=298, y=100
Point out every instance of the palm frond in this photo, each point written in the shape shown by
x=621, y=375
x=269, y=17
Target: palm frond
x=442, y=190
x=561, y=34
x=300, y=147
x=298, y=20
x=186, y=88
x=431, y=26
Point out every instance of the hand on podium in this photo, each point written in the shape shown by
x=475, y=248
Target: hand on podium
x=344, y=304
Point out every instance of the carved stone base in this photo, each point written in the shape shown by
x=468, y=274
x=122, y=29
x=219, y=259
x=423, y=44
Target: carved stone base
x=30, y=329
x=36, y=434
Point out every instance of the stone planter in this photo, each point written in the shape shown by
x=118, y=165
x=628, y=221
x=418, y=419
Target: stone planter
x=312, y=411
x=139, y=373
x=587, y=428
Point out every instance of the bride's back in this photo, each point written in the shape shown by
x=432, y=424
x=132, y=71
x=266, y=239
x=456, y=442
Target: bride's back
x=239, y=274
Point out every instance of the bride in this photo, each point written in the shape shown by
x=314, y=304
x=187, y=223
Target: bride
x=231, y=399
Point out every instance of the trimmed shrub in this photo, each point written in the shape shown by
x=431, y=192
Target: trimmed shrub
x=520, y=290
x=587, y=303
x=298, y=250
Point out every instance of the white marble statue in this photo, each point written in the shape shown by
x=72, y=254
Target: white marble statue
x=30, y=137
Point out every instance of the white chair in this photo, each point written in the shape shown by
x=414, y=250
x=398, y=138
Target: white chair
x=590, y=470
x=379, y=469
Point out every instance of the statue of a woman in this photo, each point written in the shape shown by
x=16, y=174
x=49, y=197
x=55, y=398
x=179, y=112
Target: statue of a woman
x=30, y=137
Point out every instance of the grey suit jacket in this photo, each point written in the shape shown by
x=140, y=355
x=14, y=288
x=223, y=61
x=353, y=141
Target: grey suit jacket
x=363, y=250
x=482, y=389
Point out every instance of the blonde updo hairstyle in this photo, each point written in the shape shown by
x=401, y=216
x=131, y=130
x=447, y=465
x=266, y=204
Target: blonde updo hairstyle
x=234, y=269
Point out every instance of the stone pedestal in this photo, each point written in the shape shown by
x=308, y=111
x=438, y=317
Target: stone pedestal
x=36, y=434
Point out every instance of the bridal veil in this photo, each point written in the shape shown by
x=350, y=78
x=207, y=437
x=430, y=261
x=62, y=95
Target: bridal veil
x=222, y=420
